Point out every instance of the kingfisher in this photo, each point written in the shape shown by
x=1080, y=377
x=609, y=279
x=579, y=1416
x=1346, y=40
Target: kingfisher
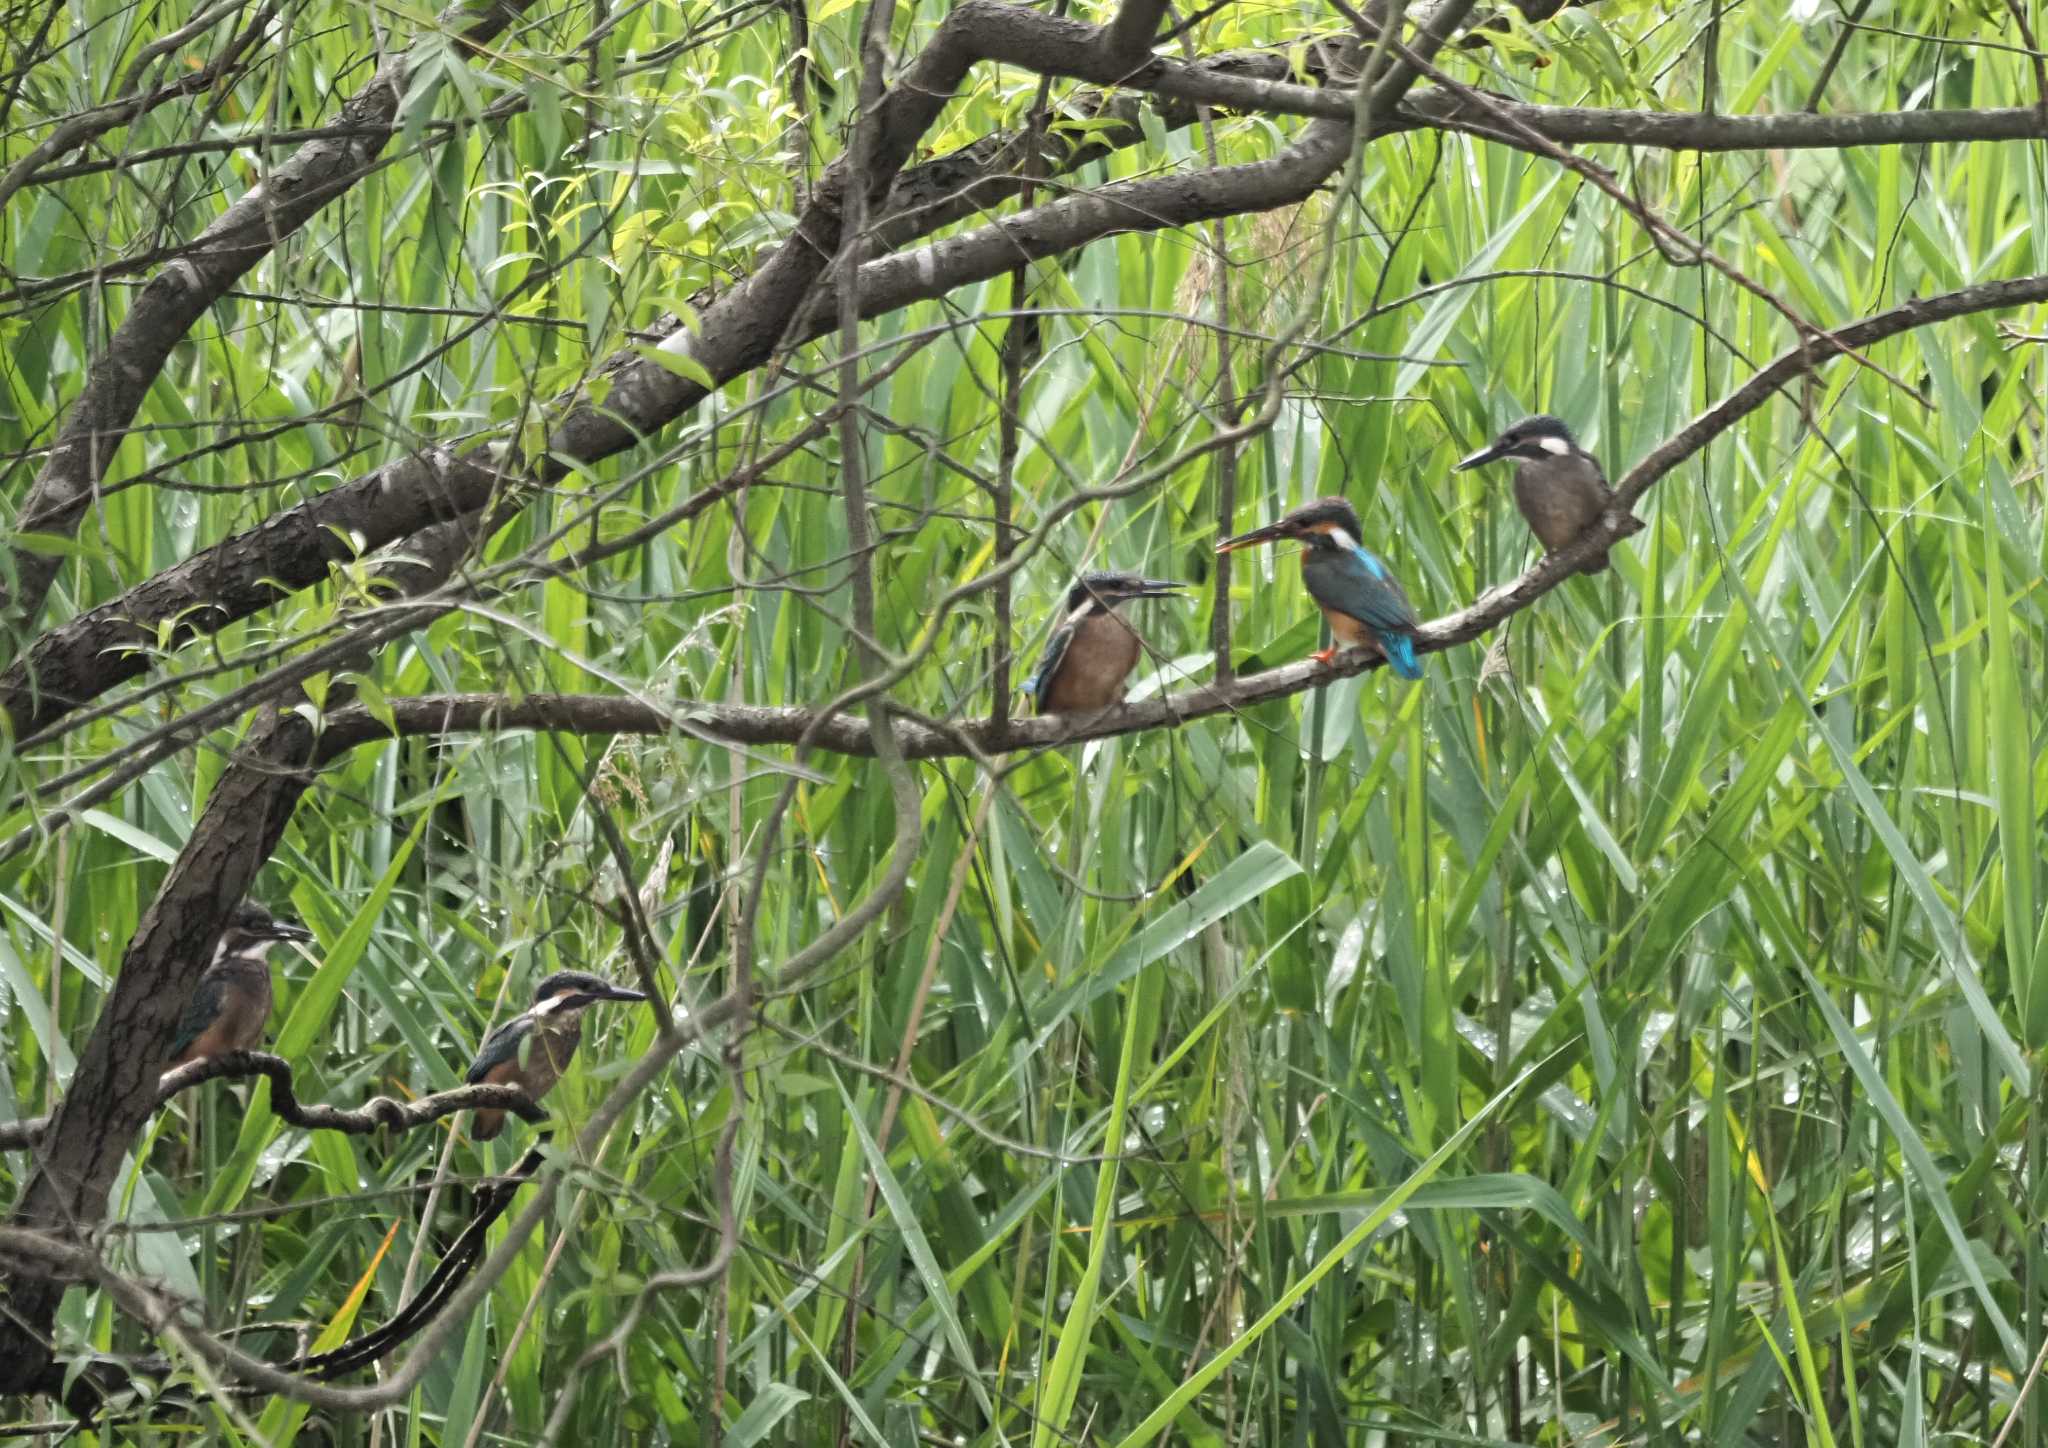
x=1093, y=651
x=1558, y=484
x=231, y=1004
x=532, y=1050
x=1356, y=591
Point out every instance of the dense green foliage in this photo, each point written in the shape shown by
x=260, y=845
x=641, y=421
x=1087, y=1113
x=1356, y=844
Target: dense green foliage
x=1623, y=1036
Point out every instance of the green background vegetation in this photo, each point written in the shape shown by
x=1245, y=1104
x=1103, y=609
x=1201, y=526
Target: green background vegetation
x=1629, y=1039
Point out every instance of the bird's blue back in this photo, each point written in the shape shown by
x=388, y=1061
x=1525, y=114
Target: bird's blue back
x=1049, y=661
x=1351, y=580
x=206, y=1003
x=498, y=1047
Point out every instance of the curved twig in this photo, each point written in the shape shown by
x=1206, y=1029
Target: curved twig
x=71, y=1262
x=460, y=1260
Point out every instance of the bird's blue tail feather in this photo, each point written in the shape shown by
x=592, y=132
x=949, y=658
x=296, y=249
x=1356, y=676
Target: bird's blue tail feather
x=1400, y=652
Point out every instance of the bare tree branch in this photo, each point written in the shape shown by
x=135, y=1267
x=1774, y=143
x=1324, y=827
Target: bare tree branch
x=379, y=1113
x=180, y=293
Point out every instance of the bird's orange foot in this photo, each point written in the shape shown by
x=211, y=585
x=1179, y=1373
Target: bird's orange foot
x=1323, y=656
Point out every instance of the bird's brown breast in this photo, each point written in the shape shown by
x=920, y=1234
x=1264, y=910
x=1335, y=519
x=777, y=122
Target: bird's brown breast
x=244, y=1012
x=1099, y=657
x=547, y=1055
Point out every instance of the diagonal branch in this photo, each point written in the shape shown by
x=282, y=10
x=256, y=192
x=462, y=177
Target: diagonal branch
x=176, y=297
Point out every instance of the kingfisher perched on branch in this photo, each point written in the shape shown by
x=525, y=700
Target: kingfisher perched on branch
x=1558, y=484
x=1356, y=591
x=231, y=1004
x=532, y=1050
x=1093, y=651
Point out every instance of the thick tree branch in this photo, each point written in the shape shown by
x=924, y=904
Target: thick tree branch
x=295, y=548
x=379, y=1113
x=177, y=296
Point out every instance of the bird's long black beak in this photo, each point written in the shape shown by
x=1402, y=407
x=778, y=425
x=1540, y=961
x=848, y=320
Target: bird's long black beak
x=621, y=993
x=288, y=930
x=1157, y=588
x=1271, y=533
x=1487, y=454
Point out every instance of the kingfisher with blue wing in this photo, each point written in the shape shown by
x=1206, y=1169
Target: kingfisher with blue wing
x=1091, y=654
x=1356, y=591
x=532, y=1050
x=231, y=1004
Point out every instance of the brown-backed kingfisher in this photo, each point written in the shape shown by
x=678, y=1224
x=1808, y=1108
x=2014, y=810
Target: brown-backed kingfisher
x=1092, y=652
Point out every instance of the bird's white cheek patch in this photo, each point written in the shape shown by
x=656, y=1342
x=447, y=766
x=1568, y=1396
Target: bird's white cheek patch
x=1350, y=545
x=1556, y=446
